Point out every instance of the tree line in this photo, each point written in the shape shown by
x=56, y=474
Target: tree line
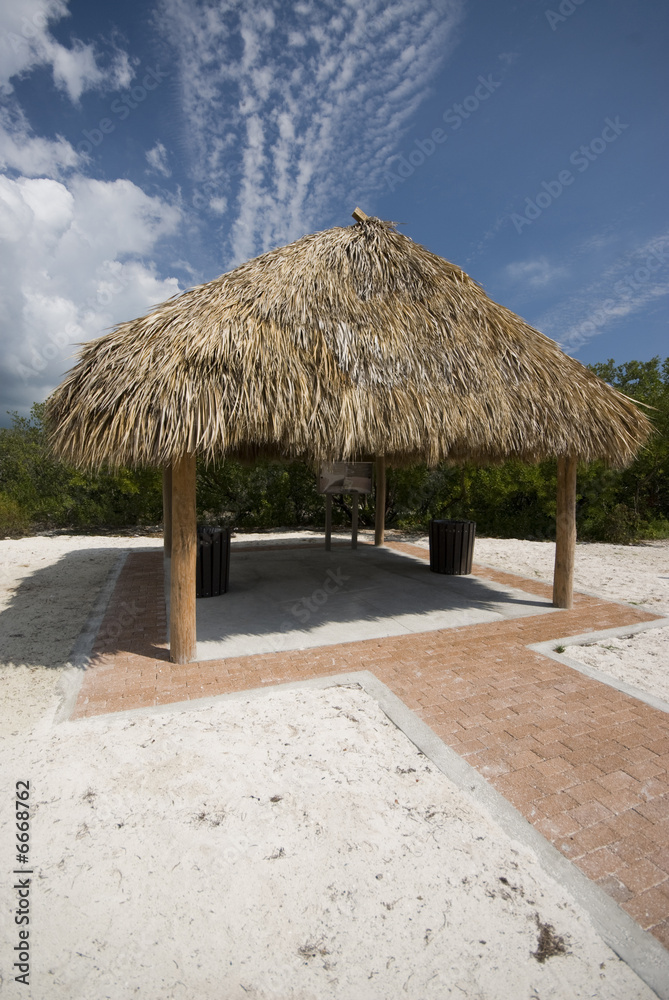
x=513, y=500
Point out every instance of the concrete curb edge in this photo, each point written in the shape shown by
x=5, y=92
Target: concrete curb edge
x=548, y=649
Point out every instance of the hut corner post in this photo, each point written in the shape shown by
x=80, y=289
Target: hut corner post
x=380, y=501
x=184, y=562
x=565, y=533
x=167, y=512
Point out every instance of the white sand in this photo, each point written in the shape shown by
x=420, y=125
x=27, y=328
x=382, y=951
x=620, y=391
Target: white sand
x=640, y=659
x=163, y=868
x=634, y=574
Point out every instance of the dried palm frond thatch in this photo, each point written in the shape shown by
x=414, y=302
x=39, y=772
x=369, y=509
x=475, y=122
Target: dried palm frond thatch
x=347, y=343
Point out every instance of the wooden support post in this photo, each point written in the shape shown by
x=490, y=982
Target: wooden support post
x=328, y=522
x=167, y=512
x=184, y=562
x=354, y=521
x=380, y=501
x=565, y=533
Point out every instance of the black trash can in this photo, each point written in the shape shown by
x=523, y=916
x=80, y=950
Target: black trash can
x=452, y=546
x=213, y=561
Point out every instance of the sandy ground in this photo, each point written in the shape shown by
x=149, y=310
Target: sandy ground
x=294, y=846
x=48, y=586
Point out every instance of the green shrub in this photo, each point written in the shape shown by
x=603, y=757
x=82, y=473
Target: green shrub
x=13, y=520
x=617, y=524
x=53, y=495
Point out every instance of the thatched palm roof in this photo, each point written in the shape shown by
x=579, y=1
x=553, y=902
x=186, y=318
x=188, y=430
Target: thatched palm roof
x=347, y=343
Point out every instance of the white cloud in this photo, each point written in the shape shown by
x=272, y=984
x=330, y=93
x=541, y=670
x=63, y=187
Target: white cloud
x=26, y=43
x=30, y=155
x=534, y=273
x=74, y=260
x=635, y=280
x=157, y=160
x=76, y=253
x=305, y=103
x=219, y=206
x=597, y=241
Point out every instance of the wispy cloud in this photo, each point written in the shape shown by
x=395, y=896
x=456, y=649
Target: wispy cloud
x=626, y=287
x=31, y=155
x=292, y=110
x=535, y=273
x=481, y=244
x=597, y=241
x=158, y=160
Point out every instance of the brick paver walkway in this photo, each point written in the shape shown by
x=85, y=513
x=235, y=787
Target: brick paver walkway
x=584, y=763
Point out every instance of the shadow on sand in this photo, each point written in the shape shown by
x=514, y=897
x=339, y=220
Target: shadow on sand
x=50, y=608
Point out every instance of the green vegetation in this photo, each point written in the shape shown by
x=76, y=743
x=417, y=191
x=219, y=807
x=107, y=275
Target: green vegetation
x=37, y=491
x=510, y=500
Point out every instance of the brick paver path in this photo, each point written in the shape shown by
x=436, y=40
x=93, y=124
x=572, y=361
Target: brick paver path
x=584, y=763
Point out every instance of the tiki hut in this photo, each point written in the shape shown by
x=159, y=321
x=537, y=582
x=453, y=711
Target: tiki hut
x=348, y=344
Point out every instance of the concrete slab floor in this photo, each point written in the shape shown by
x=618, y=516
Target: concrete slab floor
x=296, y=598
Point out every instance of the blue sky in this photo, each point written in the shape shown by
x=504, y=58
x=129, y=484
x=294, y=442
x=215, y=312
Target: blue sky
x=146, y=147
